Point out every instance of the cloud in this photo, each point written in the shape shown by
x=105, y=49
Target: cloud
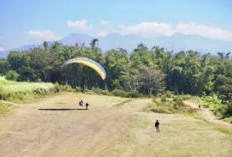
x=105, y=22
x=152, y=29
x=205, y=31
x=103, y=33
x=81, y=25
x=1, y=49
x=44, y=34
x=148, y=29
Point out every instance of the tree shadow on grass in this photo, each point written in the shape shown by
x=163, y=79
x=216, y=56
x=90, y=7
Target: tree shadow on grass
x=60, y=109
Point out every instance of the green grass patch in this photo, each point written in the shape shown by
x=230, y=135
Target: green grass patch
x=222, y=129
x=214, y=103
x=4, y=107
x=24, y=91
x=171, y=105
x=228, y=119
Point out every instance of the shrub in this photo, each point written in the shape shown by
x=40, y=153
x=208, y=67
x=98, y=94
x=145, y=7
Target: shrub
x=171, y=106
x=118, y=92
x=12, y=75
x=41, y=91
x=101, y=91
x=228, y=111
x=169, y=94
x=177, y=98
x=214, y=103
x=163, y=99
x=134, y=94
x=66, y=88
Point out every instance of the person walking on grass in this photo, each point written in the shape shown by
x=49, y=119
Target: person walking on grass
x=157, y=126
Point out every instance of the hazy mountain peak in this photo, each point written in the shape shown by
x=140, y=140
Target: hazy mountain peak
x=176, y=42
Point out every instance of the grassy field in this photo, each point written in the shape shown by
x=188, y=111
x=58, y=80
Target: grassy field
x=23, y=91
x=114, y=126
x=179, y=136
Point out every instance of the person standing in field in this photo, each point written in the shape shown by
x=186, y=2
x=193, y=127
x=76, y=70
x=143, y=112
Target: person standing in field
x=87, y=106
x=157, y=126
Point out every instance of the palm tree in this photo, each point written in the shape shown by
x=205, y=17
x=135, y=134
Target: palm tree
x=93, y=42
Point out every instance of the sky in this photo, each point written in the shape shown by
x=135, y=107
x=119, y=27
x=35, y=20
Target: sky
x=25, y=22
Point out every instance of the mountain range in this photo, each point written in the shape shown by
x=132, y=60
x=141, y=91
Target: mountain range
x=176, y=43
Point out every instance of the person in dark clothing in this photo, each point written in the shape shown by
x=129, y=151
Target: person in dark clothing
x=81, y=103
x=86, y=106
x=157, y=126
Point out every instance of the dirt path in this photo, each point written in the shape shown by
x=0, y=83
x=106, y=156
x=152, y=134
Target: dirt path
x=53, y=126
x=206, y=114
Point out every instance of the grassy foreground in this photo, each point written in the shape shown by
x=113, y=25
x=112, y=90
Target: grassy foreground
x=179, y=136
x=112, y=127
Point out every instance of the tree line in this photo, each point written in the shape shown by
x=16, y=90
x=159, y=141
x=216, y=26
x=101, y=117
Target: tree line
x=144, y=70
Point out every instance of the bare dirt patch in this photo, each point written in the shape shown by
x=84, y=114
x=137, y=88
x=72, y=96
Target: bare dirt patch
x=58, y=127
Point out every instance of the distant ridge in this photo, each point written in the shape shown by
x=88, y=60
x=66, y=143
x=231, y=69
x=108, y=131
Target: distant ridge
x=176, y=42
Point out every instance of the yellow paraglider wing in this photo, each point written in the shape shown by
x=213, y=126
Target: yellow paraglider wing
x=90, y=63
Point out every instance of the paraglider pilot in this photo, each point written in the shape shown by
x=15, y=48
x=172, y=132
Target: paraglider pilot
x=81, y=103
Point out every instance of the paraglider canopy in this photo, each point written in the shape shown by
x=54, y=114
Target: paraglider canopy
x=90, y=63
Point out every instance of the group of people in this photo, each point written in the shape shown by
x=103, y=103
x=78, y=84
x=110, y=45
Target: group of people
x=81, y=103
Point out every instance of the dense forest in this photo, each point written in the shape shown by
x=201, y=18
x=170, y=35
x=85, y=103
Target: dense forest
x=145, y=71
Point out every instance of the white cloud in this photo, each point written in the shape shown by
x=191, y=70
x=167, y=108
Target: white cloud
x=1, y=49
x=105, y=22
x=148, y=29
x=103, y=33
x=81, y=25
x=205, y=31
x=43, y=35
x=151, y=29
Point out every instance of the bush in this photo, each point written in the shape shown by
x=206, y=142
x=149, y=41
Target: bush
x=177, y=98
x=101, y=91
x=228, y=119
x=65, y=88
x=118, y=92
x=170, y=106
x=40, y=91
x=134, y=95
x=163, y=99
x=214, y=103
x=228, y=111
x=12, y=75
x=169, y=94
